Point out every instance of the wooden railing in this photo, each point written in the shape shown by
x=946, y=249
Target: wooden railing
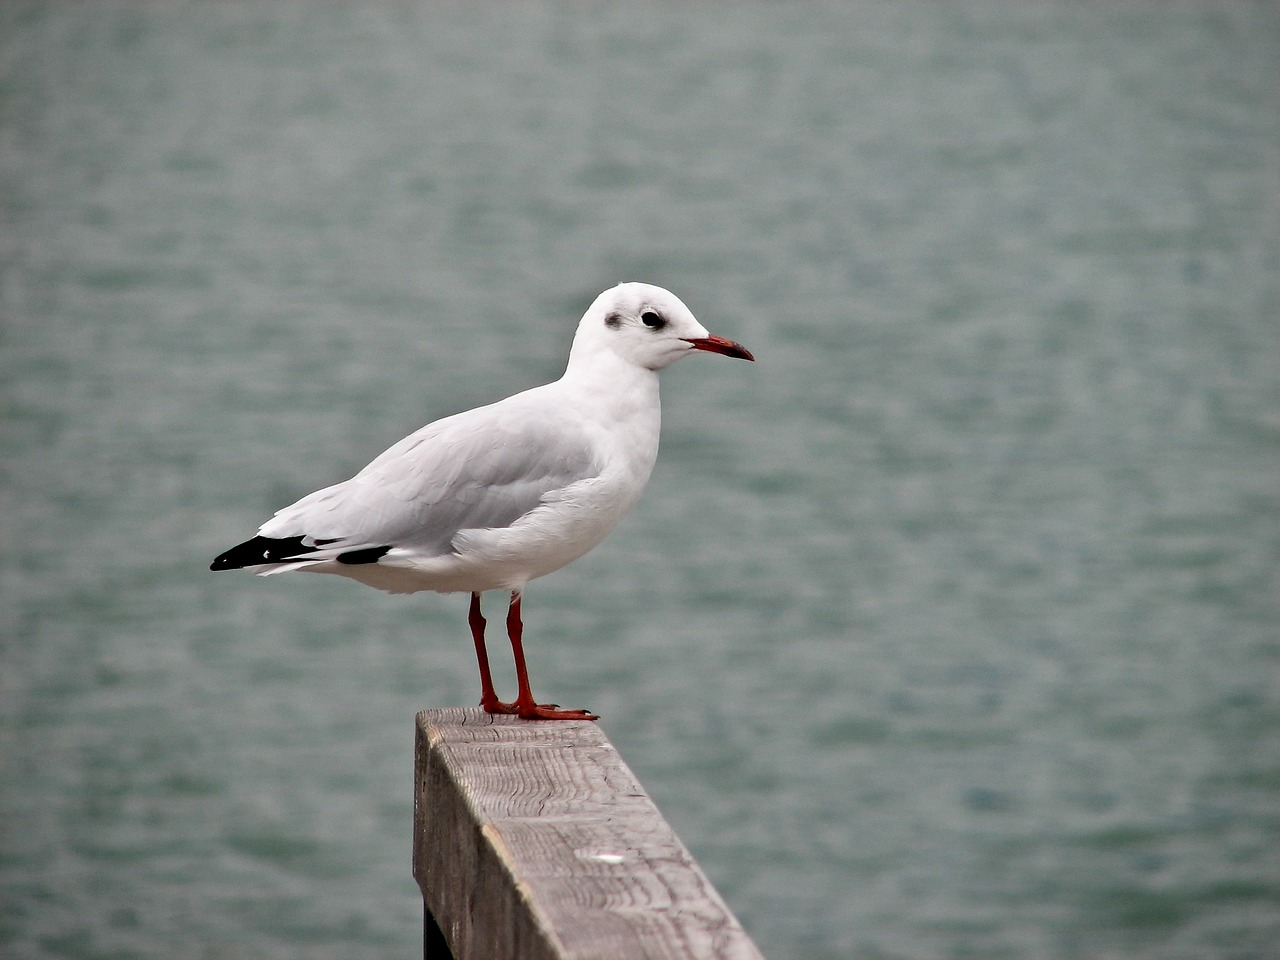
x=534, y=841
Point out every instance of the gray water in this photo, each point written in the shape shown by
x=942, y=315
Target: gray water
x=948, y=629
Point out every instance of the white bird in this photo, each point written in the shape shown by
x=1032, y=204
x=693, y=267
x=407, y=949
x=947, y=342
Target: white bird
x=494, y=497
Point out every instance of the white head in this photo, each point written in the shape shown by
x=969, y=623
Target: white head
x=646, y=326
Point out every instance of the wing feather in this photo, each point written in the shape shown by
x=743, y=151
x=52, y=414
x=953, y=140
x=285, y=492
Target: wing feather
x=485, y=468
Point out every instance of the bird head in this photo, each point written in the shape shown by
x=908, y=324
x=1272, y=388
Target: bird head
x=647, y=326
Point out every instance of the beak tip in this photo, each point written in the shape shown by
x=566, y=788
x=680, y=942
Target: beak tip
x=728, y=348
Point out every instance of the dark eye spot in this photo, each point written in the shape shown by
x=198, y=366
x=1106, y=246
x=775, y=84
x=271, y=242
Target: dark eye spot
x=653, y=320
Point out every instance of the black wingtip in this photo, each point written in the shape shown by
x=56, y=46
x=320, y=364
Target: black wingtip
x=366, y=555
x=260, y=550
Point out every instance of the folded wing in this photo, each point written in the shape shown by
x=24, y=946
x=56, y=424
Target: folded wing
x=482, y=469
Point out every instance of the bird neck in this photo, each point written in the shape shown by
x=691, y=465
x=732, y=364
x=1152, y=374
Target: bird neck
x=613, y=386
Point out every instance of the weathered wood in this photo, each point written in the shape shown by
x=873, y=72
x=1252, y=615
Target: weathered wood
x=534, y=841
x=434, y=945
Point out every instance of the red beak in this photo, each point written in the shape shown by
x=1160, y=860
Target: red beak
x=720, y=345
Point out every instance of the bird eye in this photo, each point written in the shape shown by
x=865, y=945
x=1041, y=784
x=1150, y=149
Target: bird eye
x=652, y=320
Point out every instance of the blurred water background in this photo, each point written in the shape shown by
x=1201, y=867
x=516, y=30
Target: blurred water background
x=948, y=629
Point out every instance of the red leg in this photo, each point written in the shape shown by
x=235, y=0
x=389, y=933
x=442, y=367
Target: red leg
x=488, y=697
x=525, y=706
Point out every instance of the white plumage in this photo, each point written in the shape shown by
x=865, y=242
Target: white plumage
x=500, y=495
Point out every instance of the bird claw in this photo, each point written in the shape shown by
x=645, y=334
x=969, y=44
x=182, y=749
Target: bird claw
x=550, y=711
x=536, y=711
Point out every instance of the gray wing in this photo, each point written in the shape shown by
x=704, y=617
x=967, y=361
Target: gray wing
x=481, y=469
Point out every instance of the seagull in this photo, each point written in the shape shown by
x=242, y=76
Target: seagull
x=494, y=497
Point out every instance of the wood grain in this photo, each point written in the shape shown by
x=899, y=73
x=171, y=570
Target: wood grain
x=534, y=841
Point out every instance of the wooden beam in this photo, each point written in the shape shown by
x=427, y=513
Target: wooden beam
x=534, y=841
